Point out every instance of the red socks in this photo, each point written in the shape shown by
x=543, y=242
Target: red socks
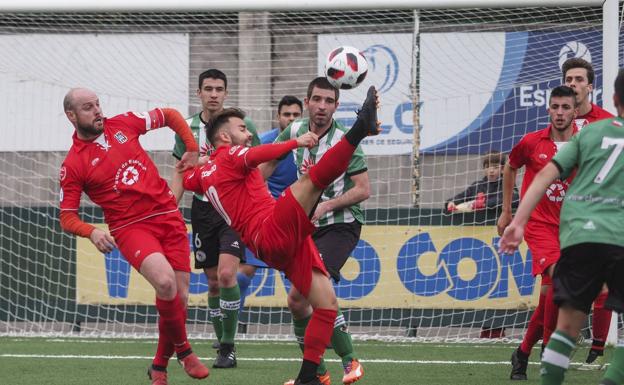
x=551, y=311
x=601, y=320
x=535, y=328
x=333, y=163
x=172, y=323
x=318, y=333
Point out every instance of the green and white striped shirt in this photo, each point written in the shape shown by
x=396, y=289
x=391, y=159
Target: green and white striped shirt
x=198, y=127
x=307, y=157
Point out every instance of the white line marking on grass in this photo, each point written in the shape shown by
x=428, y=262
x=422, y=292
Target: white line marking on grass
x=269, y=359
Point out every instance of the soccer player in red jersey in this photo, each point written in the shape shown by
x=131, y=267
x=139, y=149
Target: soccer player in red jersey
x=278, y=232
x=107, y=162
x=534, y=151
x=579, y=75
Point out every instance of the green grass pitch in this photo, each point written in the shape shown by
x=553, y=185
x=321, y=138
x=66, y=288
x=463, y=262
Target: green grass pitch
x=80, y=361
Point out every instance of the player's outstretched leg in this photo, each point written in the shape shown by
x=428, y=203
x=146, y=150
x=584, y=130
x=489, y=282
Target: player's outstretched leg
x=336, y=160
x=366, y=122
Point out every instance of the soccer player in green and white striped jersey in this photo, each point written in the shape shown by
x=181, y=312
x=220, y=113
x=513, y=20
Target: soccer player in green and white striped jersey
x=218, y=249
x=338, y=215
x=591, y=235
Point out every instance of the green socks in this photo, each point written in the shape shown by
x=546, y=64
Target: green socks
x=615, y=372
x=300, y=328
x=229, y=303
x=214, y=309
x=556, y=358
x=341, y=340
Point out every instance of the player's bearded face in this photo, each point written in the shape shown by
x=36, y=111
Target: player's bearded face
x=562, y=111
x=89, y=119
x=239, y=135
x=321, y=106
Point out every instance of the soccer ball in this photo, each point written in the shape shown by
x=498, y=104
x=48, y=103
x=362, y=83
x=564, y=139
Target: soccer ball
x=345, y=67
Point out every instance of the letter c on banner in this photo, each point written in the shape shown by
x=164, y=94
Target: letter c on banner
x=409, y=274
x=365, y=282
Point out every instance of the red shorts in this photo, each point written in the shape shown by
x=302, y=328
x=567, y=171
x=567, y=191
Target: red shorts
x=543, y=242
x=285, y=244
x=165, y=234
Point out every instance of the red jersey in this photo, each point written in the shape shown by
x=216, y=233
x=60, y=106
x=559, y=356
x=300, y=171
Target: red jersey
x=236, y=188
x=534, y=151
x=116, y=172
x=595, y=114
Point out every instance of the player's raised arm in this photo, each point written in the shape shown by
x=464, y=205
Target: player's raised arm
x=267, y=152
x=176, y=122
x=512, y=237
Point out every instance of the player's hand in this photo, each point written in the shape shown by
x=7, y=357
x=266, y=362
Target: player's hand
x=503, y=221
x=188, y=160
x=511, y=239
x=103, y=240
x=321, y=209
x=309, y=140
x=202, y=160
x=450, y=207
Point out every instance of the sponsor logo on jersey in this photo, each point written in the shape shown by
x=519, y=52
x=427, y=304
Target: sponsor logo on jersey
x=543, y=156
x=589, y=225
x=128, y=174
x=95, y=161
x=137, y=253
x=61, y=195
x=62, y=173
x=235, y=244
x=120, y=137
x=616, y=123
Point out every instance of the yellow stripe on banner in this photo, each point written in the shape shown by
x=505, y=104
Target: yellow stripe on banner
x=393, y=267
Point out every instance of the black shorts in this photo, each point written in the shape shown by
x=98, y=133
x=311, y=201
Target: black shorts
x=212, y=236
x=335, y=243
x=581, y=272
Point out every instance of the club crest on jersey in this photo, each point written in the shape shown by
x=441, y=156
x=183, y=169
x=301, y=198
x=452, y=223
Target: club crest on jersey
x=120, y=137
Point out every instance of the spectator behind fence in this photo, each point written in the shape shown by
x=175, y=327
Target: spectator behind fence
x=486, y=193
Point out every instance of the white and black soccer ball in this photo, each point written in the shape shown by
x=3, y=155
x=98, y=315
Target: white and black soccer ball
x=345, y=67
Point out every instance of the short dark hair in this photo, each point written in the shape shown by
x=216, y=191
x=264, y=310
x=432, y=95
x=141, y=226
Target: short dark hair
x=619, y=87
x=216, y=122
x=563, y=91
x=577, y=62
x=324, y=84
x=494, y=158
x=289, y=100
x=212, y=73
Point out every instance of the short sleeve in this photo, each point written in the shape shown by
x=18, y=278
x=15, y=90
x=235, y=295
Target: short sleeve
x=284, y=135
x=357, y=164
x=251, y=127
x=517, y=156
x=71, y=188
x=179, y=148
x=141, y=122
x=567, y=157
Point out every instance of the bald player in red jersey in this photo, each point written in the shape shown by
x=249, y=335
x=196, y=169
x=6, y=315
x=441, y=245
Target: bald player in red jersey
x=107, y=162
x=534, y=151
x=579, y=75
x=278, y=232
